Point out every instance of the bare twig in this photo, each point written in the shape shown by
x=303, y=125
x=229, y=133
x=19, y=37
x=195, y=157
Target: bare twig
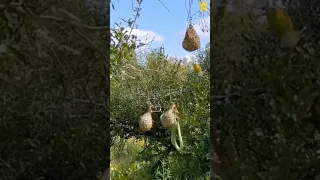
x=164, y=5
x=26, y=11
x=94, y=45
x=71, y=22
x=135, y=19
x=57, y=59
x=89, y=102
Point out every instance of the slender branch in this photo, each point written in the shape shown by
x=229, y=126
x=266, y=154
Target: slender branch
x=93, y=44
x=135, y=19
x=163, y=5
x=23, y=9
x=89, y=102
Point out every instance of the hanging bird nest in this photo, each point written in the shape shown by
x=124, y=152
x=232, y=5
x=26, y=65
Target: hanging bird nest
x=145, y=123
x=191, y=41
x=168, y=119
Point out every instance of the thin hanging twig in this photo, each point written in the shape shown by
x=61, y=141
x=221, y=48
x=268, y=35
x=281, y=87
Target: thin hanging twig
x=163, y=5
x=189, y=17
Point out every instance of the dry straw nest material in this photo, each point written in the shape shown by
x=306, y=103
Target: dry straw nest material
x=168, y=119
x=145, y=123
x=191, y=41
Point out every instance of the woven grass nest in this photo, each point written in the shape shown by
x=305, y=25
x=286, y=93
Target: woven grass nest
x=168, y=119
x=191, y=41
x=145, y=123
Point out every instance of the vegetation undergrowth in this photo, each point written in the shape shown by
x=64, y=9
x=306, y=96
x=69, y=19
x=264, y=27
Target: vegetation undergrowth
x=160, y=80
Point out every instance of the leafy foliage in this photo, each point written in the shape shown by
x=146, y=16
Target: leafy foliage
x=53, y=91
x=165, y=82
x=161, y=80
x=265, y=100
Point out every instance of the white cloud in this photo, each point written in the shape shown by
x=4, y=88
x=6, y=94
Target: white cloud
x=188, y=57
x=143, y=36
x=146, y=35
x=204, y=24
x=190, y=60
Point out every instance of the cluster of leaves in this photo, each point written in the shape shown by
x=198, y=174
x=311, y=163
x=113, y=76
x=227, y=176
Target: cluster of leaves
x=124, y=162
x=203, y=58
x=53, y=91
x=124, y=42
x=135, y=170
x=266, y=100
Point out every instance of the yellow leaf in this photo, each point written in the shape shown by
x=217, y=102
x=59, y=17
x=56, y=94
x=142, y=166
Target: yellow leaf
x=279, y=21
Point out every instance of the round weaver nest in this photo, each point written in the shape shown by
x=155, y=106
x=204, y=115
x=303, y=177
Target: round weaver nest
x=168, y=119
x=145, y=123
x=191, y=41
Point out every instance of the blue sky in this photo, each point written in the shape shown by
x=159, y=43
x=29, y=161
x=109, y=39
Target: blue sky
x=167, y=27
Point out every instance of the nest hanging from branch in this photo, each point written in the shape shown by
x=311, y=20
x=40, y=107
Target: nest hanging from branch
x=191, y=41
x=168, y=119
x=145, y=123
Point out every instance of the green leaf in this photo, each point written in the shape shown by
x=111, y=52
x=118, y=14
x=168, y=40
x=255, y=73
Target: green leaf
x=303, y=94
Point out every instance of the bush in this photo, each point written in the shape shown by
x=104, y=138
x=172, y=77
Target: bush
x=266, y=102
x=53, y=91
x=163, y=81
